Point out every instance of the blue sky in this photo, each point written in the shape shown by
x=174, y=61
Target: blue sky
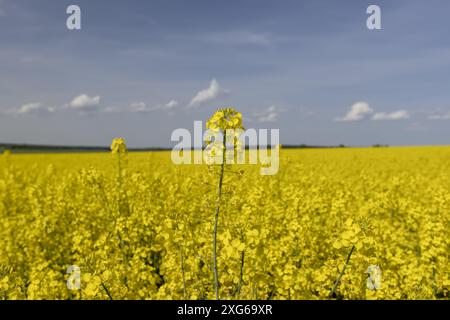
x=140, y=69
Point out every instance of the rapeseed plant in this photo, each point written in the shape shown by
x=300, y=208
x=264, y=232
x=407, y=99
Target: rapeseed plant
x=224, y=121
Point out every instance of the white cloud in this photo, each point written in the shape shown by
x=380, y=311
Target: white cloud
x=396, y=115
x=440, y=116
x=357, y=112
x=84, y=103
x=141, y=107
x=207, y=95
x=34, y=108
x=269, y=114
x=171, y=104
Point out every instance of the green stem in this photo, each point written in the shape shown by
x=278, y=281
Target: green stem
x=182, y=272
x=216, y=217
x=336, y=283
x=241, y=273
x=106, y=291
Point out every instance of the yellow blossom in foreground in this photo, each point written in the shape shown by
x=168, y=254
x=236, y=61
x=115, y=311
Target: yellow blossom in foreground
x=118, y=146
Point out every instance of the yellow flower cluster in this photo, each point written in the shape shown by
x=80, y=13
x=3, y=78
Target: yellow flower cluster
x=224, y=130
x=118, y=146
x=148, y=234
x=225, y=119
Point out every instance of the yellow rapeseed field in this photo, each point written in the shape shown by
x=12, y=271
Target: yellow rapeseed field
x=139, y=227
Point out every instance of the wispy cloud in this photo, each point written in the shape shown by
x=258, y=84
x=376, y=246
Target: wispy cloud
x=357, y=112
x=171, y=104
x=84, y=104
x=269, y=114
x=440, y=116
x=139, y=107
x=396, y=115
x=142, y=107
x=361, y=110
x=34, y=108
x=212, y=93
